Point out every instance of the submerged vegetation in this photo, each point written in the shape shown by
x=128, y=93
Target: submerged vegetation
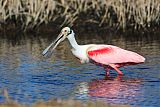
x=114, y=13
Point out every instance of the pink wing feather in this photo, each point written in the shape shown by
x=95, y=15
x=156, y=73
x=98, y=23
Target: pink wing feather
x=108, y=54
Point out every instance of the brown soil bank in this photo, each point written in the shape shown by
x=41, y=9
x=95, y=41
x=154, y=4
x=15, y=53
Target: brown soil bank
x=121, y=14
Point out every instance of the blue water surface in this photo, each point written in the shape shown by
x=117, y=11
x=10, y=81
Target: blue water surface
x=28, y=76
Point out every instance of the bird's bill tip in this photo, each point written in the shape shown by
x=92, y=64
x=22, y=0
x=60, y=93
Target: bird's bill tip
x=45, y=52
x=53, y=44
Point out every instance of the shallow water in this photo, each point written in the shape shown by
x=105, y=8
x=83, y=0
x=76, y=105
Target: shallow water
x=28, y=76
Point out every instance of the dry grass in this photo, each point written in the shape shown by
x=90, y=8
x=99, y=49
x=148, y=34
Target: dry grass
x=116, y=13
x=58, y=103
x=62, y=103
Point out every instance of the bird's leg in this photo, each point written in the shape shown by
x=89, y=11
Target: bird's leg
x=107, y=71
x=116, y=69
x=119, y=78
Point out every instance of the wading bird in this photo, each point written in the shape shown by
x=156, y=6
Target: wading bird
x=108, y=56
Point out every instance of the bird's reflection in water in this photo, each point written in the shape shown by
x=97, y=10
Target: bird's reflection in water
x=113, y=90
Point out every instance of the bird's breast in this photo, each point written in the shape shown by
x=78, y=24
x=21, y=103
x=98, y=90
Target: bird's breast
x=80, y=54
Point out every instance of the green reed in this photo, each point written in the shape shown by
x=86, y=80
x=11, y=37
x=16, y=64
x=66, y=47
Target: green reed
x=115, y=13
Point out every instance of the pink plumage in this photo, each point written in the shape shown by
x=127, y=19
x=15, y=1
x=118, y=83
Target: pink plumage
x=109, y=54
x=114, y=57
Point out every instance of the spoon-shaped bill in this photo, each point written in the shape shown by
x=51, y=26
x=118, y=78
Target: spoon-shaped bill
x=54, y=44
x=47, y=49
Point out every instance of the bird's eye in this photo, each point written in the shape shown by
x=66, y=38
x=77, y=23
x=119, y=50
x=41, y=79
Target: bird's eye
x=65, y=30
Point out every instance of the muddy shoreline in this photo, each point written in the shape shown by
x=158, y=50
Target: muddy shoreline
x=54, y=28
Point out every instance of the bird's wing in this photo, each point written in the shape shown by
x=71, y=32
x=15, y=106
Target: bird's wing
x=108, y=54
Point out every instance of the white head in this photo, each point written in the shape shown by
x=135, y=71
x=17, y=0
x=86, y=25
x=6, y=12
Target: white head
x=65, y=33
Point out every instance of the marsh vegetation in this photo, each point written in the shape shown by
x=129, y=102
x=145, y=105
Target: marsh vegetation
x=121, y=14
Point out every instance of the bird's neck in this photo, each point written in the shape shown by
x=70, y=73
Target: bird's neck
x=73, y=41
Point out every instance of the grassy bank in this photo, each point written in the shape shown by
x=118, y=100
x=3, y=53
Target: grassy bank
x=29, y=14
x=62, y=103
x=57, y=103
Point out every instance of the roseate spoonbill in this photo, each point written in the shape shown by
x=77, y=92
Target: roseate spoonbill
x=108, y=56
